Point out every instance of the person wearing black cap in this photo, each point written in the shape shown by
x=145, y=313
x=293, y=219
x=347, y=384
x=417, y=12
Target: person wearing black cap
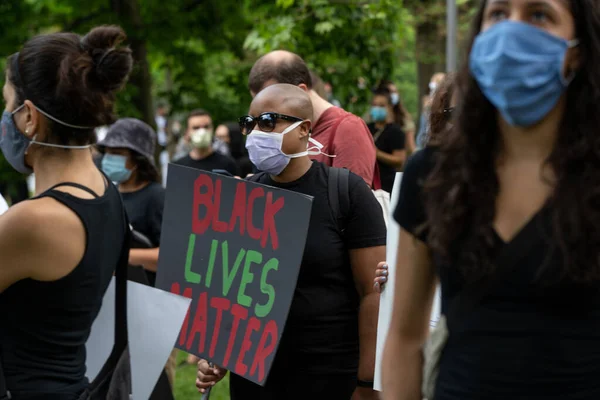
x=129, y=161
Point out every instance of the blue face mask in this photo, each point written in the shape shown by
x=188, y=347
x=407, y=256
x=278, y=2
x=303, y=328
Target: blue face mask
x=114, y=167
x=378, y=114
x=395, y=98
x=519, y=68
x=14, y=144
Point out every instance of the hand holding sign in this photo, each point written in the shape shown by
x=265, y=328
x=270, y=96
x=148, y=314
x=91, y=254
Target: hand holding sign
x=208, y=375
x=224, y=246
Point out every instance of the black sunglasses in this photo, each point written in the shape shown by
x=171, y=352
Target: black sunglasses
x=266, y=121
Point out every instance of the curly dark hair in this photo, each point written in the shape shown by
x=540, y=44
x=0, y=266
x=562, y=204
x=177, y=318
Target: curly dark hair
x=439, y=116
x=461, y=191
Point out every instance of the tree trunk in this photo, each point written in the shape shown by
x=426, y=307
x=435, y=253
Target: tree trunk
x=131, y=19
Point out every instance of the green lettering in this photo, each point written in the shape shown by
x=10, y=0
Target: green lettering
x=229, y=276
x=262, y=311
x=191, y=276
x=248, y=277
x=211, y=262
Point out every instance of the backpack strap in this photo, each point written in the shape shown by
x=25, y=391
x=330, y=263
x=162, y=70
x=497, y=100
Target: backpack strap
x=339, y=196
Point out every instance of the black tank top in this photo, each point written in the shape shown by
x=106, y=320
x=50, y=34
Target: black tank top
x=44, y=325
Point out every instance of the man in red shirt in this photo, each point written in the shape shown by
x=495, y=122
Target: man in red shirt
x=343, y=134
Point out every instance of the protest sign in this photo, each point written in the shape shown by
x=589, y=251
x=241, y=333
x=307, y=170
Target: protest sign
x=234, y=247
x=153, y=320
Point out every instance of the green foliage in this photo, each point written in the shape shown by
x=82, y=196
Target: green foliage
x=200, y=51
x=341, y=41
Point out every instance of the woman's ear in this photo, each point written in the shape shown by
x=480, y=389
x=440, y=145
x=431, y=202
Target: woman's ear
x=33, y=119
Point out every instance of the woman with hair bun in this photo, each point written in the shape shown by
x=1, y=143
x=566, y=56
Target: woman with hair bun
x=58, y=250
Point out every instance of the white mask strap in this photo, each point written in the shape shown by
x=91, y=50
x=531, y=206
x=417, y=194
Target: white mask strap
x=55, y=119
x=291, y=127
x=317, y=149
x=59, y=146
x=314, y=150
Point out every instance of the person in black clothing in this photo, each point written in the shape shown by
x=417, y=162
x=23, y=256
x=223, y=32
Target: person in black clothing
x=389, y=138
x=129, y=161
x=58, y=250
x=516, y=176
x=440, y=121
x=203, y=157
x=328, y=344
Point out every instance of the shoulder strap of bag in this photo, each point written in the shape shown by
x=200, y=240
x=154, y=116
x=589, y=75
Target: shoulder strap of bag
x=121, y=331
x=339, y=196
x=378, y=134
x=506, y=263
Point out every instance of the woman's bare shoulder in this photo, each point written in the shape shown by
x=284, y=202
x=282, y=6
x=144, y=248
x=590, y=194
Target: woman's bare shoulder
x=41, y=239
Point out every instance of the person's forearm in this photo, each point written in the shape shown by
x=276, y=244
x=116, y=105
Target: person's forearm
x=401, y=370
x=368, y=316
x=147, y=258
x=389, y=159
x=411, y=144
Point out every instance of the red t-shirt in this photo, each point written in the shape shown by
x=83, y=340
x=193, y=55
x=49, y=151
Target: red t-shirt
x=347, y=137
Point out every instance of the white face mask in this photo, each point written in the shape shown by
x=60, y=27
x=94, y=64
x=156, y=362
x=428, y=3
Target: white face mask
x=432, y=86
x=264, y=149
x=201, y=138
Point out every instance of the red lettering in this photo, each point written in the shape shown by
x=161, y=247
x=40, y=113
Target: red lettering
x=239, y=208
x=254, y=194
x=269, y=228
x=176, y=289
x=199, y=325
x=253, y=325
x=263, y=352
x=238, y=312
x=220, y=305
x=218, y=226
x=199, y=226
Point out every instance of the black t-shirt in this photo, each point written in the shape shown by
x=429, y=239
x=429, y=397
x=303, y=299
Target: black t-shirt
x=525, y=339
x=321, y=333
x=392, y=138
x=210, y=163
x=145, y=211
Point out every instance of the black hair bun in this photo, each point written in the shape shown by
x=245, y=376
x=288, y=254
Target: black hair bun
x=111, y=64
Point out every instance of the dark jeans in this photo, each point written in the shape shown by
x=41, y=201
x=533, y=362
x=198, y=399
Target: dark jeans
x=295, y=387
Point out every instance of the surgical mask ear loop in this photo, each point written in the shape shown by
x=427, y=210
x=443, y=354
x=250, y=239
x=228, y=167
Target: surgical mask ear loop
x=567, y=80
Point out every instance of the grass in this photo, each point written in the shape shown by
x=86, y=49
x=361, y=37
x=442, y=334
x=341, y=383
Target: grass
x=185, y=383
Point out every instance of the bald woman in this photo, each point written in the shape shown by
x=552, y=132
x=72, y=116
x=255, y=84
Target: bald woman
x=327, y=349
